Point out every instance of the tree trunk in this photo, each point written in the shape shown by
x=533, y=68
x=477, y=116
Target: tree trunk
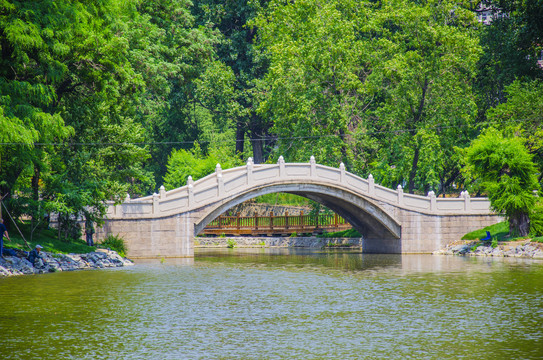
x=413, y=173
x=258, y=145
x=240, y=138
x=450, y=180
x=520, y=224
x=36, y=197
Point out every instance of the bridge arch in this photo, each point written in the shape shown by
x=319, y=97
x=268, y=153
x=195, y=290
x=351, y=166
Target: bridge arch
x=365, y=216
x=390, y=221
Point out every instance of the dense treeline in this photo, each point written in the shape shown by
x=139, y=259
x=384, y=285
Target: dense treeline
x=100, y=99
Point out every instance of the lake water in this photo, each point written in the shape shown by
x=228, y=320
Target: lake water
x=279, y=304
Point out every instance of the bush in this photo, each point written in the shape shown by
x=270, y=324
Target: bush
x=494, y=243
x=230, y=243
x=536, y=220
x=115, y=243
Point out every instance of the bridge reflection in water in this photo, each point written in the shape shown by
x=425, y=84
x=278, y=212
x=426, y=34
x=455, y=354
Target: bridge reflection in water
x=276, y=225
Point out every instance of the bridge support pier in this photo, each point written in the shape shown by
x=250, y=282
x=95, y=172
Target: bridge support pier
x=381, y=246
x=148, y=238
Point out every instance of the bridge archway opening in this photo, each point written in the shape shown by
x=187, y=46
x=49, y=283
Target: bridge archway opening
x=365, y=216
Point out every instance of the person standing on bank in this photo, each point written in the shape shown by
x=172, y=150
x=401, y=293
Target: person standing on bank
x=89, y=230
x=3, y=232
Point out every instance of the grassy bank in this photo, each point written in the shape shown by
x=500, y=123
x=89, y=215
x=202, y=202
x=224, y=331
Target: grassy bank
x=46, y=238
x=500, y=231
x=349, y=233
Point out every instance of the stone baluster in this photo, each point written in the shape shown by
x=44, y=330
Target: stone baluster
x=190, y=190
x=371, y=185
x=467, y=201
x=342, y=173
x=220, y=181
x=162, y=192
x=250, y=171
x=281, y=163
x=400, y=195
x=432, y=196
x=312, y=166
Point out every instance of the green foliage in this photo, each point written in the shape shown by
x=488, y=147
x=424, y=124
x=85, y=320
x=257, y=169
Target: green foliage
x=283, y=199
x=474, y=247
x=115, y=243
x=374, y=85
x=506, y=173
x=499, y=230
x=48, y=239
x=522, y=112
x=494, y=243
x=349, y=233
x=231, y=243
x=536, y=219
x=100, y=99
x=183, y=163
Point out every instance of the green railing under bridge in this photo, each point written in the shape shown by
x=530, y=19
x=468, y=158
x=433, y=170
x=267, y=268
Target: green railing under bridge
x=276, y=225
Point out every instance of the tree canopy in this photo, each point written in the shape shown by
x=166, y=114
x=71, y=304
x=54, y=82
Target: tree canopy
x=100, y=99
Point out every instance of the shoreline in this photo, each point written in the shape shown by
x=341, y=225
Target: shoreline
x=275, y=241
x=518, y=249
x=50, y=262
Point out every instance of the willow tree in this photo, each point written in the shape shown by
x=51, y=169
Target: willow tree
x=504, y=169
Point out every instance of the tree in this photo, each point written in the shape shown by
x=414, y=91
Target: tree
x=239, y=57
x=504, y=169
x=382, y=86
x=512, y=44
x=183, y=163
x=64, y=74
x=523, y=110
x=168, y=51
x=425, y=54
x=315, y=88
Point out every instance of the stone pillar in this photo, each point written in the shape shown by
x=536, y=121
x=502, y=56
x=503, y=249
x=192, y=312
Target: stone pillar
x=220, y=181
x=313, y=167
x=432, y=196
x=400, y=195
x=281, y=163
x=250, y=171
x=467, y=200
x=342, y=173
x=371, y=185
x=190, y=191
x=162, y=192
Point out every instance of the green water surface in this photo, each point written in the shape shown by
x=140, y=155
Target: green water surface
x=279, y=304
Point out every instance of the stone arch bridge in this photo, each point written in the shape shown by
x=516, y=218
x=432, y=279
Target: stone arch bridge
x=165, y=224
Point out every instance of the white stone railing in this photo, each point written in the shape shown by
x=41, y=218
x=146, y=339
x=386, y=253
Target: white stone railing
x=226, y=183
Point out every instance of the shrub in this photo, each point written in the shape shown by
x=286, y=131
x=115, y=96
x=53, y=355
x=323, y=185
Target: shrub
x=230, y=243
x=536, y=220
x=115, y=243
x=494, y=243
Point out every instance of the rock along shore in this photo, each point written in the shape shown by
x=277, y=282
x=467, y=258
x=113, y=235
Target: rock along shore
x=49, y=262
x=475, y=248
